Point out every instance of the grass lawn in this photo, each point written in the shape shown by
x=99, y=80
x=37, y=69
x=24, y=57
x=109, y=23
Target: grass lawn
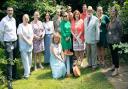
x=42, y=79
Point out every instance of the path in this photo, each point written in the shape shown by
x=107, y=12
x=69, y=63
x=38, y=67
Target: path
x=120, y=81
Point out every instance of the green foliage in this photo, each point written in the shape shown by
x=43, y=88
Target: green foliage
x=28, y=7
x=124, y=17
x=10, y=3
x=43, y=7
x=104, y=5
x=123, y=50
x=108, y=5
x=123, y=47
x=2, y=69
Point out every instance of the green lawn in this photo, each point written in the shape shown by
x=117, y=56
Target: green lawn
x=42, y=79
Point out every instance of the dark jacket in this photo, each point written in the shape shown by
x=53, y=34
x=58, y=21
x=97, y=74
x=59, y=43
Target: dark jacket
x=114, y=32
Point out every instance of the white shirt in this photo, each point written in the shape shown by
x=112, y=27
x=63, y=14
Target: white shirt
x=8, y=28
x=49, y=27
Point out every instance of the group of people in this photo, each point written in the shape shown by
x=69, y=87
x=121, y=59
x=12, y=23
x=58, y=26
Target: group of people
x=66, y=34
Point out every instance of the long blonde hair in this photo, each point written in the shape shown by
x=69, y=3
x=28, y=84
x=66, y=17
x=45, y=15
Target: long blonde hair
x=56, y=34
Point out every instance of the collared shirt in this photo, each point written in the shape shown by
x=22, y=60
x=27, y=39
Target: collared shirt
x=8, y=29
x=49, y=27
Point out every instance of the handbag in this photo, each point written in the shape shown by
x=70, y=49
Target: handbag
x=76, y=71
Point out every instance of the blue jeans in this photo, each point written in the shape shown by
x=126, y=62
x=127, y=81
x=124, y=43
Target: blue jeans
x=47, y=43
x=67, y=64
x=27, y=62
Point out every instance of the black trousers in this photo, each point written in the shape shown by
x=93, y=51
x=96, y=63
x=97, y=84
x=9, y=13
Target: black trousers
x=115, y=56
x=10, y=54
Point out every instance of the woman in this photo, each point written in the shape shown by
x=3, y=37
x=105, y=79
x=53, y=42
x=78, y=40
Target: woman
x=57, y=21
x=66, y=41
x=102, y=44
x=70, y=14
x=38, y=41
x=57, y=57
x=77, y=27
x=25, y=34
x=114, y=37
x=49, y=29
x=65, y=27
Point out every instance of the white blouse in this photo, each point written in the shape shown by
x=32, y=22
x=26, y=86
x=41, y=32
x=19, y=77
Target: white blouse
x=24, y=46
x=49, y=27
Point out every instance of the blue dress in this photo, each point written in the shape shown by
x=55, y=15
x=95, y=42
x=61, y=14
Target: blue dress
x=58, y=67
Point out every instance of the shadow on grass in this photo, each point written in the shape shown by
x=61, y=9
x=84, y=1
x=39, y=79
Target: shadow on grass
x=85, y=71
x=98, y=76
x=47, y=74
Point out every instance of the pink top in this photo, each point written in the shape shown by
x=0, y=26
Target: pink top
x=78, y=28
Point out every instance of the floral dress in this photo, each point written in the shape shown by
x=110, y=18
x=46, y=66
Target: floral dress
x=38, y=30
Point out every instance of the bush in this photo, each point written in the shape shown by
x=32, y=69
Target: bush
x=124, y=17
x=28, y=7
x=124, y=20
x=123, y=50
x=2, y=66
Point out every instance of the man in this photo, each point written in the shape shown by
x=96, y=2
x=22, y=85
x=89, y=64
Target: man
x=92, y=37
x=84, y=11
x=8, y=29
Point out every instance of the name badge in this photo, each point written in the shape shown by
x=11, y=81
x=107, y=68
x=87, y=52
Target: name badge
x=109, y=33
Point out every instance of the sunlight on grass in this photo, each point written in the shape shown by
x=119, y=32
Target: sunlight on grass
x=42, y=79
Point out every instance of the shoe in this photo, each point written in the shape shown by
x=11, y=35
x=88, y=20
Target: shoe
x=68, y=75
x=35, y=68
x=10, y=85
x=40, y=66
x=115, y=72
x=94, y=68
x=25, y=77
x=16, y=77
x=87, y=66
x=112, y=68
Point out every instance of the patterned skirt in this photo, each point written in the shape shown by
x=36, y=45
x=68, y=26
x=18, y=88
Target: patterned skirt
x=78, y=47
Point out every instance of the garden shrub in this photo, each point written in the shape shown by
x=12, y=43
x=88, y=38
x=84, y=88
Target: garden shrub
x=2, y=66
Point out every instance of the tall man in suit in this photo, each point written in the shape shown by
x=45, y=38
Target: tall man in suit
x=91, y=28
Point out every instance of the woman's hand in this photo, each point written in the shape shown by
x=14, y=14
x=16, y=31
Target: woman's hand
x=67, y=38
